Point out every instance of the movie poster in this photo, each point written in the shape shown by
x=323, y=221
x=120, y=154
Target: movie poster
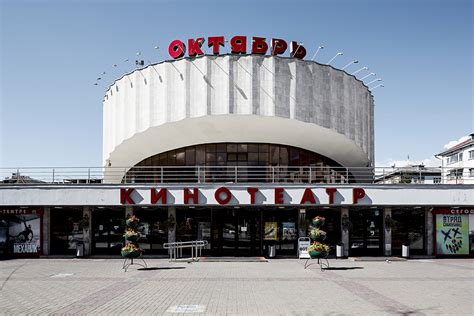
x=271, y=231
x=20, y=232
x=289, y=231
x=452, y=234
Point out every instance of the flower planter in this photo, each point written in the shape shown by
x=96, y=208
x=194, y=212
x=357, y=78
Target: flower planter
x=318, y=254
x=318, y=222
x=132, y=238
x=132, y=224
x=131, y=254
x=318, y=237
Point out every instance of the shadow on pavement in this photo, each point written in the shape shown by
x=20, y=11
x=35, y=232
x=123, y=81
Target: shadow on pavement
x=343, y=268
x=161, y=268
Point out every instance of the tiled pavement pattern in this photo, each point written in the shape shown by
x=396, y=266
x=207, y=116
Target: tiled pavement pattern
x=278, y=287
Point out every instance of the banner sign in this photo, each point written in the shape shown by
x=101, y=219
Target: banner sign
x=452, y=234
x=20, y=231
x=303, y=244
x=271, y=231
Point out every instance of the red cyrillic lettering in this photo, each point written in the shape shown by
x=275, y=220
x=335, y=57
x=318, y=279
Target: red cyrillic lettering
x=194, y=47
x=226, y=199
x=176, y=49
x=297, y=50
x=252, y=192
x=216, y=42
x=125, y=196
x=357, y=194
x=259, y=46
x=279, y=196
x=188, y=195
x=330, y=192
x=279, y=46
x=308, y=196
x=158, y=195
x=238, y=45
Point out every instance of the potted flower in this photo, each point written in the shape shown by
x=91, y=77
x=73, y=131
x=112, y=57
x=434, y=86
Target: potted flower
x=131, y=235
x=318, y=250
x=317, y=234
x=132, y=221
x=318, y=221
x=131, y=251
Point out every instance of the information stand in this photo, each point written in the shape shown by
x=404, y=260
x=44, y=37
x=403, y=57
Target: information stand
x=303, y=244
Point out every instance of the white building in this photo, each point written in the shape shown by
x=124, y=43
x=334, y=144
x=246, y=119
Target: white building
x=458, y=163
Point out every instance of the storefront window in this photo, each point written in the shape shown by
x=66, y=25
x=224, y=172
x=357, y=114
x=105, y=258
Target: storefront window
x=280, y=229
x=65, y=230
x=408, y=227
x=154, y=231
x=108, y=227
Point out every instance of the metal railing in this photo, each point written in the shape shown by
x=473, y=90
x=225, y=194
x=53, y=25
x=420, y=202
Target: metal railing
x=233, y=174
x=175, y=249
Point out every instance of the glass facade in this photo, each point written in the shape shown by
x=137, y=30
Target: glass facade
x=65, y=230
x=220, y=158
x=408, y=227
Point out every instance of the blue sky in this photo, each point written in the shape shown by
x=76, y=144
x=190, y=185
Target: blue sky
x=52, y=52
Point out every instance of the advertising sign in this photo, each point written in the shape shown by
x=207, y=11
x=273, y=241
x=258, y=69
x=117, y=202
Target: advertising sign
x=289, y=231
x=21, y=231
x=271, y=231
x=452, y=234
x=303, y=244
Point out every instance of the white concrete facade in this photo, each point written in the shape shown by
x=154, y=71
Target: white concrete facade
x=232, y=98
x=458, y=163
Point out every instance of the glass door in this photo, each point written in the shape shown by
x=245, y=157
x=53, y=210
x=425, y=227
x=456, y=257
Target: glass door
x=108, y=228
x=366, y=233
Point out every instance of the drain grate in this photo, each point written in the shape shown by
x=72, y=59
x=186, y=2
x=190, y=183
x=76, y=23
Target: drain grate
x=186, y=309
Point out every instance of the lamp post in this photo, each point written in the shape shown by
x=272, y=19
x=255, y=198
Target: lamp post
x=338, y=54
x=317, y=51
x=357, y=71
x=378, y=79
x=371, y=74
x=352, y=62
x=380, y=85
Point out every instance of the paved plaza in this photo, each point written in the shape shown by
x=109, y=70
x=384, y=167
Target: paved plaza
x=277, y=287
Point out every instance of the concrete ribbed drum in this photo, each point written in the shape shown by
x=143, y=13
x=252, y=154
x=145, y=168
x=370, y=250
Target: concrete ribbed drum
x=229, y=98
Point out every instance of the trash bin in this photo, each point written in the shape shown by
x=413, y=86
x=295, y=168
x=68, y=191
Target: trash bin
x=271, y=251
x=405, y=251
x=79, y=249
x=340, y=250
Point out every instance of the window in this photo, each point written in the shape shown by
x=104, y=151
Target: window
x=471, y=172
x=454, y=158
x=455, y=174
x=471, y=154
x=437, y=180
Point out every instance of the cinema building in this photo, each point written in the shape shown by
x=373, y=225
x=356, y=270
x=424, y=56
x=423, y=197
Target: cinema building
x=241, y=151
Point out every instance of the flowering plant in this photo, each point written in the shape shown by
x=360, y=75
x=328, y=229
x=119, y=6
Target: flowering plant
x=130, y=233
x=132, y=221
x=317, y=232
x=319, y=218
x=131, y=248
x=319, y=247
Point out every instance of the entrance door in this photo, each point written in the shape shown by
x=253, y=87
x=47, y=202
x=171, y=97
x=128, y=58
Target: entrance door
x=237, y=232
x=366, y=234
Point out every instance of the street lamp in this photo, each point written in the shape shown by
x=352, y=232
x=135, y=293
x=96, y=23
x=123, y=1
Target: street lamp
x=380, y=85
x=378, y=79
x=317, y=51
x=357, y=71
x=352, y=62
x=338, y=54
x=371, y=74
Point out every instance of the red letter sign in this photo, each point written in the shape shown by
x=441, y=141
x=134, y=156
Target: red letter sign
x=156, y=196
x=279, y=46
x=238, y=45
x=227, y=194
x=125, y=196
x=308, y=196
x=297, y=50
x=188, y=195
x=330, y=192
x=259, y=46
x=357, y=194
x=176, y=49
x=252, y=192
x=279, y=196
x=195, y=47
x=215, y=42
